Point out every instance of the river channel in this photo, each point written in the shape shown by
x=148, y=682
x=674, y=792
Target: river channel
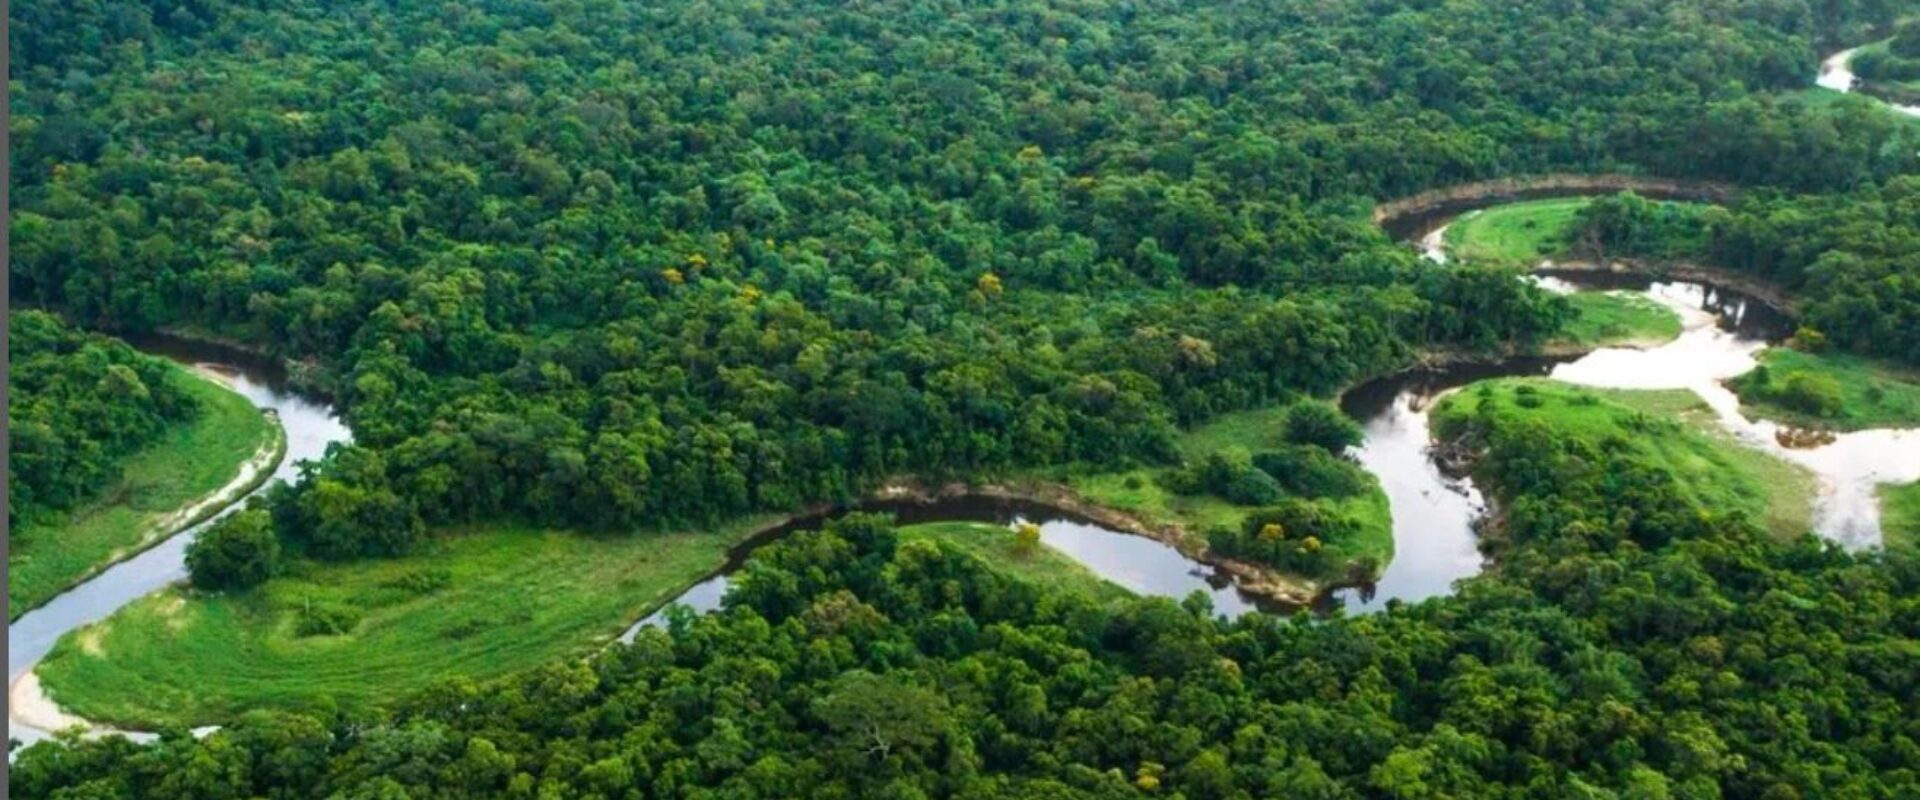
x=1836, y=73
x=311, y=426
x=1434, y=515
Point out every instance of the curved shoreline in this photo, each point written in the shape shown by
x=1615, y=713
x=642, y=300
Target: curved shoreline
x=1252, y=578
x=1406, y=218
x=1836, y=73
x=32, y=704
x=27, y=701
x=256, y=470
x=28, y=704
x=1716, y=277
x=38, y=709
x=1416, y=216
x=301, y=429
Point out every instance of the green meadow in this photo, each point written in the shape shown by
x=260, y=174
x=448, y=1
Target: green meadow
x=188, y=463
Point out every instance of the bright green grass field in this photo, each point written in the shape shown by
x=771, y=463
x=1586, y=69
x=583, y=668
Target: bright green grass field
x=1713, y=468
x=477, y=604
x=1516, y=234
x=1520, y=234
x=189, y=462
x=1617, y=319
x=1900, y=515
x=1874, y=394
x=994, y=545
x=1139, y=493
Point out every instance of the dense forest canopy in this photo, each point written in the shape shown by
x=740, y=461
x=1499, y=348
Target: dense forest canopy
x=1661, y=652
x=1850, y=257
x=1898, y=61
x=77, y=403
x=608, y=263
x=619, y=264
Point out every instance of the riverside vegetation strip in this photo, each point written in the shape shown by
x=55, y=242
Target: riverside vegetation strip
x=640, y=267
x=154, y=663
x=1902, y=508
x=1526, y=233
x=1670, y=432
x=1615, y=319
x=1830, y=390
x=474, y=605
x=191, y=466
x=1144, y=493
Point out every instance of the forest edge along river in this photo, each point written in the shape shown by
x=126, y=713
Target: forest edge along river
x=1727, y=320
x=1836, y=73
x=1141, y=564
x=309, y=425
x=1133, y=559
x=1433, y=514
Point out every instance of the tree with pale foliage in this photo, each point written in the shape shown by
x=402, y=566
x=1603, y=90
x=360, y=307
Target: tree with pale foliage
x=1026, y=539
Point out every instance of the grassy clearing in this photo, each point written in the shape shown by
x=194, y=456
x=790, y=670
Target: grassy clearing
x=477, y=603
x=1516, y=234
x=1141, y=493
x=1522, y=234
x=1830, y=390
x=1714, y=470
x=189, y=462
x=993, y=544
x=1900, y=515
x=1617, y=319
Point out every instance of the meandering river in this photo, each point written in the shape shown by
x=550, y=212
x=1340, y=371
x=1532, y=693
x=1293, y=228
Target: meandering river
x=1836, y=73
x=1719, y=345
x=1142, y=565
x=310, y=424
x=1433, y=514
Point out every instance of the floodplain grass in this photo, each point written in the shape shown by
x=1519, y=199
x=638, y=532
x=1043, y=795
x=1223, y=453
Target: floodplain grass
x=474, y=603
x=1617, y=319
x=1900, y=514
x=1860, y=393
x=1140, y=491
x=995, y=546
x=190, y=461
x=1516, y=234
x=1713, y=469
x=1523, y=234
